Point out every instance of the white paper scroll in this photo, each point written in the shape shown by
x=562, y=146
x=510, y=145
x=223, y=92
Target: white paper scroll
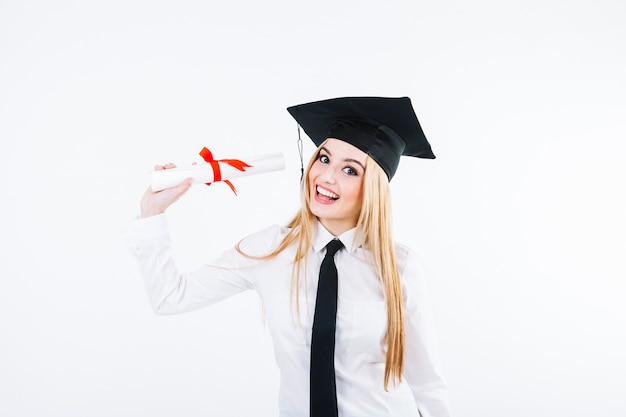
x=203, y=172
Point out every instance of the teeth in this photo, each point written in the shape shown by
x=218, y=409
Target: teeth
x=327, y=193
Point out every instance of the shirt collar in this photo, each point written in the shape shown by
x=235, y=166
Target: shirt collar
x=350, y=238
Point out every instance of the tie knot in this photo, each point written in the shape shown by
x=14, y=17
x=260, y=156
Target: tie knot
x=333, y=246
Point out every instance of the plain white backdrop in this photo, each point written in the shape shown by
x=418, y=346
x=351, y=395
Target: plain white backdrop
x=519, y=221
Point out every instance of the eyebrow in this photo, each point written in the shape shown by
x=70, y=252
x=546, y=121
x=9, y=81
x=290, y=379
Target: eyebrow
x=346, y=159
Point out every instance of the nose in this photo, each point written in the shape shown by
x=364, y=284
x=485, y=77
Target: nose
x=328, y=176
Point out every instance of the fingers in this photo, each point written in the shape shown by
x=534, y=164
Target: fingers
x=169, y=165
x=184, y=186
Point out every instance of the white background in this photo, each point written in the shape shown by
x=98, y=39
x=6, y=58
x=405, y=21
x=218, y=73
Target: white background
x=519, y=221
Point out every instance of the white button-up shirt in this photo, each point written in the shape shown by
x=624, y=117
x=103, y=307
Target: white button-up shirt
x=361, y=316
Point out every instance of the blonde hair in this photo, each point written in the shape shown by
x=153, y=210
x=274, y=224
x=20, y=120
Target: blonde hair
x=374, y=225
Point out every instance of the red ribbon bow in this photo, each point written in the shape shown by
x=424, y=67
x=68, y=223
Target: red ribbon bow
x=217, y=174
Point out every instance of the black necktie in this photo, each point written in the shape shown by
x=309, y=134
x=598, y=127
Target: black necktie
x=323, y=391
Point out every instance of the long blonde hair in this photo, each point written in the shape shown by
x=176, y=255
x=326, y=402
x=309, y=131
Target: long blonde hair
x=374, y=225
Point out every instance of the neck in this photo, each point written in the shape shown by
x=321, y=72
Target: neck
x=336, y=228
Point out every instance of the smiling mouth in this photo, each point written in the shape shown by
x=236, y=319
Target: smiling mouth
x=326, y=194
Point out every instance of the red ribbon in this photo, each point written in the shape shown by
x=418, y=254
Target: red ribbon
x=217, y=174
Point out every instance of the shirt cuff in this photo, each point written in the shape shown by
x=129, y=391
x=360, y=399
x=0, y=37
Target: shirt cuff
x=149, y=228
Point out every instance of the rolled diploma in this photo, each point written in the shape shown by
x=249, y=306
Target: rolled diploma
x=203, y=172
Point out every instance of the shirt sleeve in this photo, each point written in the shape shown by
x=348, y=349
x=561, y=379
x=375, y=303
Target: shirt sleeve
x=422, y=368
x=171, y=291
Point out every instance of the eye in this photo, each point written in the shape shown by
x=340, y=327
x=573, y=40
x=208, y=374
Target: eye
x=323, y=159
x=350, y=171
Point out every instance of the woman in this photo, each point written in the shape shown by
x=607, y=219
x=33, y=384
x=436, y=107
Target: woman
x=352, y=331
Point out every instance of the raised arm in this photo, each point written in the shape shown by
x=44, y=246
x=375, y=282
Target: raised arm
x=169, y=290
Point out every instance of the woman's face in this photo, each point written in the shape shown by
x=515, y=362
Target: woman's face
x=336, y=180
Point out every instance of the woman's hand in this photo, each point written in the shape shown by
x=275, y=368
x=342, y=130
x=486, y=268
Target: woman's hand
x=156, y=203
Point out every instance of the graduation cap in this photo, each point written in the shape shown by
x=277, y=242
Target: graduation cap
x=384, y=128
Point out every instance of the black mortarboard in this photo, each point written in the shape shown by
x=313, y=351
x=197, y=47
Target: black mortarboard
x=384, y=128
